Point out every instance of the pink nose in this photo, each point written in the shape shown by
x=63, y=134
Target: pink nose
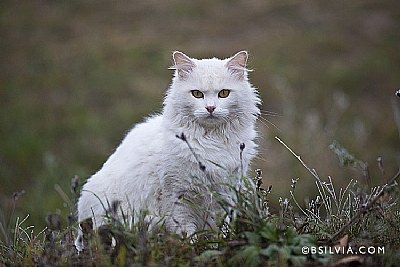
x=210, y=109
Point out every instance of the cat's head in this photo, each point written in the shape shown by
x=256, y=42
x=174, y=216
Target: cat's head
x=211, y=92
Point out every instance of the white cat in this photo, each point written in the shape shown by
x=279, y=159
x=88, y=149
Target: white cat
x=210, y=102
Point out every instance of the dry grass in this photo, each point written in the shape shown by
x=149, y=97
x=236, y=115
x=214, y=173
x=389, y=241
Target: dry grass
x=248, y=231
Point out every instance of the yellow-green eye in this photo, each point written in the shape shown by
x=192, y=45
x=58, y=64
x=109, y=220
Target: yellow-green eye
x=223, y=93
x=197, y=94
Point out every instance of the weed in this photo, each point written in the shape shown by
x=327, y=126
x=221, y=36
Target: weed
x=247, y=233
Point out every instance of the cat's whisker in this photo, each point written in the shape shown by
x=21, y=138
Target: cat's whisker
x=257, y=157
x=261, y=119
x=270, y=113
x=265, y=122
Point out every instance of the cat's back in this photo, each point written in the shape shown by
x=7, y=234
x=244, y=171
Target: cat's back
x=142, y=141
x=131, y=172
x=141, y=145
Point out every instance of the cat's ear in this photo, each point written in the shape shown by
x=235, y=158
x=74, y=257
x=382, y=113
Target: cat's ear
x=237, y=64
x=182, y=64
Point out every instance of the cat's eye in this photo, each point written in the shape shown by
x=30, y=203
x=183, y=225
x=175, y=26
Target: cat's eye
x=223, y=93
x=197, y=94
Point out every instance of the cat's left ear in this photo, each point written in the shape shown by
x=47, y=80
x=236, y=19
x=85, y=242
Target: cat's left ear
x=237, y=64
x=182, y=64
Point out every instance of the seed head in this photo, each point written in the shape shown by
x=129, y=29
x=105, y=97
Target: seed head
x=53, y=221
x=181, y=136
x=202, y=167
x=269, y=189
x=75, y=185
x=294, y=182
x=17, y=195
x=242, y=146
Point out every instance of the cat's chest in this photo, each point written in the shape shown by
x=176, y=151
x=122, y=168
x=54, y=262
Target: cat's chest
x=219, y=156
x=220, y=151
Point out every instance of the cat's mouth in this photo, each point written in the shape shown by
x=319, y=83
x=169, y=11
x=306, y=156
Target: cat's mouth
x=208, y=116
x=210, y=119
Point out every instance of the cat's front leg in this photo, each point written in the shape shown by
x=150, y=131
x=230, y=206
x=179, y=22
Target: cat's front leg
x=178, y=223
x=180, y=204
x=180, y=216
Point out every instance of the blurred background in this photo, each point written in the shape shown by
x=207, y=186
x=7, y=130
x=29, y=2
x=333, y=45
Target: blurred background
x=77, y=75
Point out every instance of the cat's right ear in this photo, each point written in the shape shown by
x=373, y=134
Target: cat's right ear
x=237, y=64
x=182, y=64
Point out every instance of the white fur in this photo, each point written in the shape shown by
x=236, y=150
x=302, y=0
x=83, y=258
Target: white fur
x=152, y=169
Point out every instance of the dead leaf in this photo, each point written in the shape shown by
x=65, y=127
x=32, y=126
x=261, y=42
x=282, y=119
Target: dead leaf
x=342, y=244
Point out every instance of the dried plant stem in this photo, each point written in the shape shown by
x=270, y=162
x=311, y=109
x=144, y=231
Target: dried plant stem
x=242, y=146
x=183, y=138
x=360, y=212
x=364, y=209
x=312, y=171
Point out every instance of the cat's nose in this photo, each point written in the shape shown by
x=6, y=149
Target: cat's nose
x=210, y=109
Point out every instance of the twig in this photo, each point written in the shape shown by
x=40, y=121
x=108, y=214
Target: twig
x=183, y=138
x=364, y=209
x=312, y=171
x=381, y=168
x=242, y=146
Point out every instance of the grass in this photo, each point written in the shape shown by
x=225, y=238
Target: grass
x=75, y=75
x=248, y=232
